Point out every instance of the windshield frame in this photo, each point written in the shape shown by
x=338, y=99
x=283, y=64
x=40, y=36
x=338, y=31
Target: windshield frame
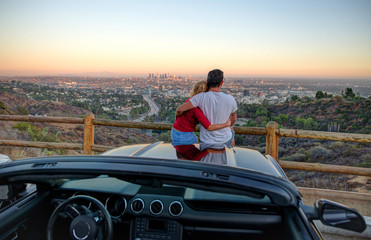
x=150, y=171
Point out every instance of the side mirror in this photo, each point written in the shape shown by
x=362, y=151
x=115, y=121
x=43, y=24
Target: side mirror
x=4, y=158
x=4, y=193
x=4, y=189
x=340, y=216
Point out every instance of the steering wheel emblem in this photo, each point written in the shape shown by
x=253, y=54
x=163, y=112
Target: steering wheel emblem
x=82, y=229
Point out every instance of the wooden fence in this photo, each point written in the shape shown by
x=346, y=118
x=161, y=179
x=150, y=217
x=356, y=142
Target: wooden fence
x=271, y=131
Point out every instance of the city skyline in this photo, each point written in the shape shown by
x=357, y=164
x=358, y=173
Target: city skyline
x=243, y=38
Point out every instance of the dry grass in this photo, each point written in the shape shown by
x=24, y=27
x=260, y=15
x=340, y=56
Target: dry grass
x=330, y=181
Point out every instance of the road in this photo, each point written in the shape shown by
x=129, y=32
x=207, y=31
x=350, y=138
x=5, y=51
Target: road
x=153, y=109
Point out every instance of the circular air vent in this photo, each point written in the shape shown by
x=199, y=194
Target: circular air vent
x=175, y=209
x=137, y=205
x=156, y=207
x=116, y=205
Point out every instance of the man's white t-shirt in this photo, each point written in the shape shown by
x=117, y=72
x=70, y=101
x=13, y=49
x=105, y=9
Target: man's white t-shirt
x=217, y=107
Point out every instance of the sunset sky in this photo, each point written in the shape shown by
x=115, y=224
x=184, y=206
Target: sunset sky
x=317, y=38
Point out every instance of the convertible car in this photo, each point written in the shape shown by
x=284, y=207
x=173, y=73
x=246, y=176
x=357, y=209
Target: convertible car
x=158, y=191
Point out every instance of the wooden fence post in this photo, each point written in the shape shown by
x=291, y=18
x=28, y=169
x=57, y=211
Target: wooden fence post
x=88, y=134
x=272, y=140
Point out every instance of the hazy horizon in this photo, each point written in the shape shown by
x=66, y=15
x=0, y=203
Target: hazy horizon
x=307, y=39
x=106, y=74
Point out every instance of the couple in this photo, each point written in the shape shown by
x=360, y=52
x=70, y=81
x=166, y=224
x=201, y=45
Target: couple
x=215, y=110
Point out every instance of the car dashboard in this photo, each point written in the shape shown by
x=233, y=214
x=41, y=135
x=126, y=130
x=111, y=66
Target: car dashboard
x=175, y=212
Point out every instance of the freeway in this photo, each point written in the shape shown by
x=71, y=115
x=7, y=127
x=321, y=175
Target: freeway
x=154, y=109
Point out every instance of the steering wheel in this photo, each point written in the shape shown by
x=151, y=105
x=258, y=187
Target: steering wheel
x=86, y=224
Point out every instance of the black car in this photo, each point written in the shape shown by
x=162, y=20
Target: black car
x=149, y=191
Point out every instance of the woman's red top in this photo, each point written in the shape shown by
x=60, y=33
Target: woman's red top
x=188, y=121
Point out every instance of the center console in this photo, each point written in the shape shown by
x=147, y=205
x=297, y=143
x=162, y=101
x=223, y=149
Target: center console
x=155, y=229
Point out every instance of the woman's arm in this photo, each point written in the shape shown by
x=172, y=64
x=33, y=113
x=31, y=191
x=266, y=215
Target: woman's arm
x=233, y=118
x=205, y=122
x=219, y=126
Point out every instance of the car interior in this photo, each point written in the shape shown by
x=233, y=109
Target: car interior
x=106, y=207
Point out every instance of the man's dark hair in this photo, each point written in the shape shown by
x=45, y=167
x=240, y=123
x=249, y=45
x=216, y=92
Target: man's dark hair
x=215, y=78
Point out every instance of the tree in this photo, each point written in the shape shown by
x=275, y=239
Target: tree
x=260, y=112
x=321, y=94
x=283, y=118
x=349, y=94
x=308, y=123
x=299, y=122
x=295, y=97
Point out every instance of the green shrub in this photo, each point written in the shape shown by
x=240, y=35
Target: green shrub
x=320, y=153
x=22, y=126
x=365, y=161
x=71, y=133
x=2, y=106
x=296, y=157
x=36, y=133
x=22, y=110
x=80, y=128
x=41, y=135
x=165, y=137
x=337, y=145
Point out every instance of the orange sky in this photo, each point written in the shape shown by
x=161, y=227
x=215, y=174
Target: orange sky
x=253, y=39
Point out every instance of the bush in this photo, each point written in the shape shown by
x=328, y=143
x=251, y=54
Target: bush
x=365, y=161
x=71, y=133
x=296, y=157
x=36, y=133
x=165, y=137
x=2, y=105
x=22, y=126
x=22, y=110
x=41, y=135
x=337, y=145
x=80, y=128
x=54, y=130
x=320, y=153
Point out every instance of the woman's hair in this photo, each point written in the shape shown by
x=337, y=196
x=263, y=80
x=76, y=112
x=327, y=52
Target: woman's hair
x=199, y=88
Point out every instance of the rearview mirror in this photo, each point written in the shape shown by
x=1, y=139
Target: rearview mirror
x=340, y=216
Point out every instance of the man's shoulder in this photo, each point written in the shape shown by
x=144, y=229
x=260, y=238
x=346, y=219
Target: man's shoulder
x=226, y=95
x=211, y=95
x=197, y=97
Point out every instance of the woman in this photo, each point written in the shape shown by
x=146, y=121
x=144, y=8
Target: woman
x=182, y=132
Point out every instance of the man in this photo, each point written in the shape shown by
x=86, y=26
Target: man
x=217, y=107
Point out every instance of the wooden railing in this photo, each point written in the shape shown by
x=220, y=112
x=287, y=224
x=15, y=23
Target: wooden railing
x=271, y=131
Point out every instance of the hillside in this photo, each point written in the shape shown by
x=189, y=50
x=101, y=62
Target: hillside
x=336, y=114
x=17, y=104
x=21, y=105
x=325, y=114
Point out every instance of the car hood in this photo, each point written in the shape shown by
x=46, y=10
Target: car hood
x=237, y=156
x=53, y=171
